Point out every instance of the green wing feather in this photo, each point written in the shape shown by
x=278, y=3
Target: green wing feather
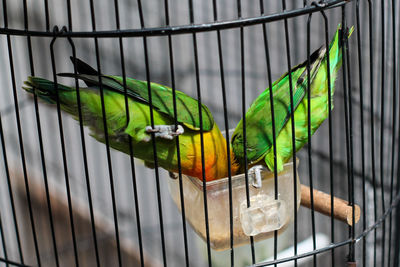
x=259, y=118
x=318, y=104
x=162, y=98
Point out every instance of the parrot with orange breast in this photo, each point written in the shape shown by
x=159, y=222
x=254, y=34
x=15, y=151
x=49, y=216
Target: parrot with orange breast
x=138, y=127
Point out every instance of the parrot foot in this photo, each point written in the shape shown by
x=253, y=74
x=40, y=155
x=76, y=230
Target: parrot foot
x=256, y=171
x=165, y=131
x=172, y=175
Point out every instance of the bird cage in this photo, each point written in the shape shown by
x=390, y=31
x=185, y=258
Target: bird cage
x=69, y=200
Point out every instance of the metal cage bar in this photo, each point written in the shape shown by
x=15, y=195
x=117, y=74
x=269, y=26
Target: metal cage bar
x=369, y=78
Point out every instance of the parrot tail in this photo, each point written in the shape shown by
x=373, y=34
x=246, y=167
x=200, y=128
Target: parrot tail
x=335, y=47
x=45, y=89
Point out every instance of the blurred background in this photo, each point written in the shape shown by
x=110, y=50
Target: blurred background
x=24, y=150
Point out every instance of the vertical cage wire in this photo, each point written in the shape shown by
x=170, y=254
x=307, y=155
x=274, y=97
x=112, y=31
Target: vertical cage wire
x=69, y=200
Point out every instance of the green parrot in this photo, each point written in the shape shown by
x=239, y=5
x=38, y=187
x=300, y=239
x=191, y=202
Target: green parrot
x=259, y=134
x=139, y=125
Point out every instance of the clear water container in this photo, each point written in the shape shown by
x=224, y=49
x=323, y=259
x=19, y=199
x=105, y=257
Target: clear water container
x=264, y=215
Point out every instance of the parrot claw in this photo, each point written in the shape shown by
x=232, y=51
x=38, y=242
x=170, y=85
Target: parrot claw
x=172, y=175
x=165, y=131
x=256, y=177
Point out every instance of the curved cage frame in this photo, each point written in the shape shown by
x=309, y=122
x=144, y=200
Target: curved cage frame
x=387, y=203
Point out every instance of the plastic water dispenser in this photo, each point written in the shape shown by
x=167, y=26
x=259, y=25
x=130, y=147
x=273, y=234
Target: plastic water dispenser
x=260, y=219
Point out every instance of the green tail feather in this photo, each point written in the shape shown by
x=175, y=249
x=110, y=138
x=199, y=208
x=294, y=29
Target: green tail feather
x=45, y=89
x=51, y=92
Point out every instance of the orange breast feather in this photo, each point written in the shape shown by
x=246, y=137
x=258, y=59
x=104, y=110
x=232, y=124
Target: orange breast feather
x=215, y=157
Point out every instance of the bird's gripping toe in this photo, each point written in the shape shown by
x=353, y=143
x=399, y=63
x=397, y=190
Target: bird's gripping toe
x=165, y=131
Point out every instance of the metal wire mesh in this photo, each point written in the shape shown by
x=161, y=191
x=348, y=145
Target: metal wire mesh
x=68, y=200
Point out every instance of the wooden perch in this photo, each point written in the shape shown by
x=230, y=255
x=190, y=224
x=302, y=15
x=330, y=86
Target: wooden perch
x=322, y=203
